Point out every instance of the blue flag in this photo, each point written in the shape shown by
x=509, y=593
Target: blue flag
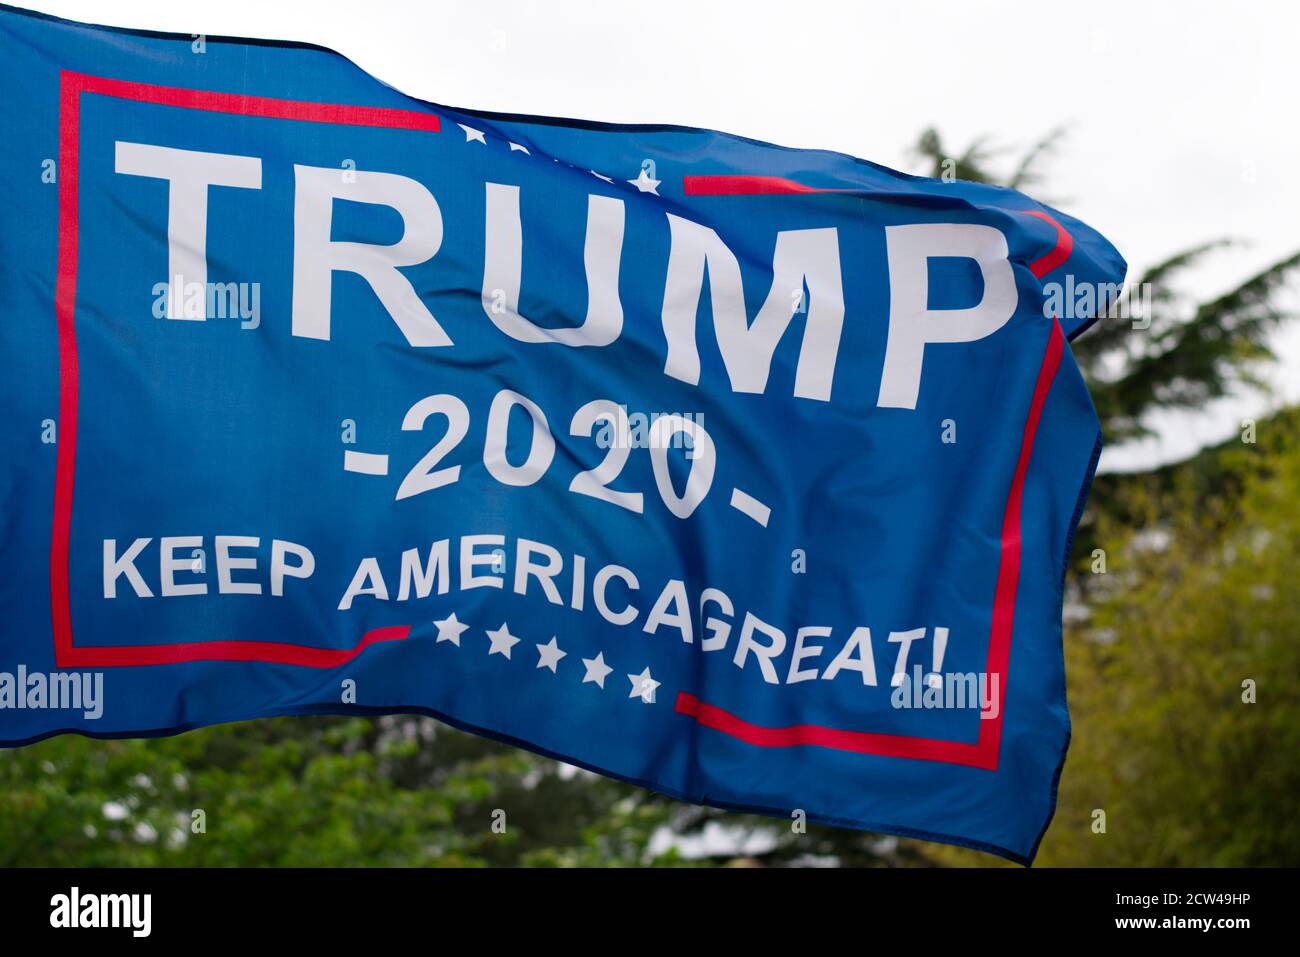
x=743, y=473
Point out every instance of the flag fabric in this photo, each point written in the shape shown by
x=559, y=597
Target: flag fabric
x=743, y=473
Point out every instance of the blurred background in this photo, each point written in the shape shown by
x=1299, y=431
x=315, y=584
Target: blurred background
x=1167, y=126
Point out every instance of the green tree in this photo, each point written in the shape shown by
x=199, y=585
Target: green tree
x=324, y=791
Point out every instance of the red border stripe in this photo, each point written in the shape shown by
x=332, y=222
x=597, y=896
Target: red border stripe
x=265, y=106
x=1059, y=253
x=863, y=742
x=276, y=652
x=65, y=293
x=745, y=185
x=1004, y=598
x=749, y=185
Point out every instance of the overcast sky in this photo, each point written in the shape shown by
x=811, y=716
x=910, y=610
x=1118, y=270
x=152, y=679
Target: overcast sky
x=1182, y=115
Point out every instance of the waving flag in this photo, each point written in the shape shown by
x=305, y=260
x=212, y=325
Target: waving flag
x=743, y=473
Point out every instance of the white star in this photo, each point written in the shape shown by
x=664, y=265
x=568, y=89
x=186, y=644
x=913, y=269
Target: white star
x=521, y=149
x=449, y=629
x=643, y=686
x=645, y=184
x=608, y=179
x=549, y=655
x=502, y=641
x=472, y=135
x=596, y=669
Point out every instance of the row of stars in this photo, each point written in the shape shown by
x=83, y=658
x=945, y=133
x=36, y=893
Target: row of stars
x=548, y=656
x=644, y=182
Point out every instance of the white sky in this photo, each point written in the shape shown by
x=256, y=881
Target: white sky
x=1182, y=114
